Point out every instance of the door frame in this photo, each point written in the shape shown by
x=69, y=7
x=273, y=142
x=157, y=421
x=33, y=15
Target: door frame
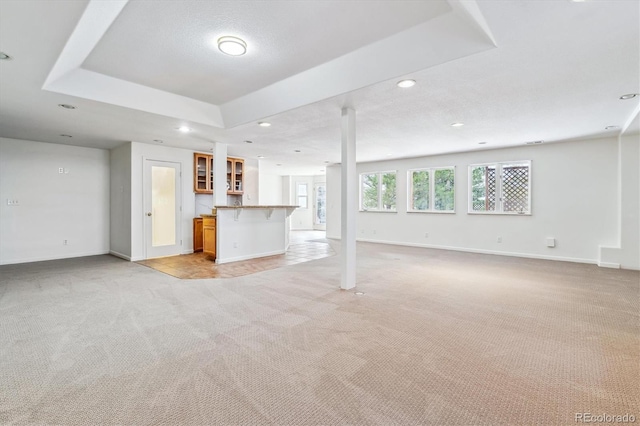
x=146, y=198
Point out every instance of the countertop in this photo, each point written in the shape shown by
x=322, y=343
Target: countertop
x=257, y=207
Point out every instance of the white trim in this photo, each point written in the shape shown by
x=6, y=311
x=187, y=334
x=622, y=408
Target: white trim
x=120, y=255
x=250, y=256
x=46, y=258
x=360, y=208
x=609, y=265
x=482, y=251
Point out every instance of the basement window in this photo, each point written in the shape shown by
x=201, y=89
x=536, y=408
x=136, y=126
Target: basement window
x=432, y=190
x=378, y=191
x=500, y=188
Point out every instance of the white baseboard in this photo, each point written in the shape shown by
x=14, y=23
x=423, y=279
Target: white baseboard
x=120, y=255
x=45, y=258
x=247, y=257
x=609, y=265
x=482, y=251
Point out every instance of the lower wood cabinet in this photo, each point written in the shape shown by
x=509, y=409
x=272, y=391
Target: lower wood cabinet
x=209, y=236
x=197, y=234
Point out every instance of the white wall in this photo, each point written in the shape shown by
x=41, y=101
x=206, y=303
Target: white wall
x=120, y=201
x=270, y=189
x=573, y=200
x=53, y=207
x=251, y=189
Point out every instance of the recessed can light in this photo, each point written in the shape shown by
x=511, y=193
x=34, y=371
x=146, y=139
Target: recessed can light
x=184, y=129
x=611, y=127
x=297, y=150
x=534, y=142
x=66, y=136
x=260, y=156
x=66, y=106
x=4, y=56
x=248, y=141
x=263, y=124
x=232, y=46
x=457, y=124
x=278, y=164
x=482, y=143
x=406, y=83
x=158, y=141
x=628, y=96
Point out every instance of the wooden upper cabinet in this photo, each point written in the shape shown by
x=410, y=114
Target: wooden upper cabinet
x=235, y=175
x=202, y=173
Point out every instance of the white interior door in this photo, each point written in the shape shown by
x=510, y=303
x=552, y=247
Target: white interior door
x=162, y=208
x=320, y=206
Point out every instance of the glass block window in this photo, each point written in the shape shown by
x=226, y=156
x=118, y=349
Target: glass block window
x=432, y=190
x=500, y=188
x=378, y=191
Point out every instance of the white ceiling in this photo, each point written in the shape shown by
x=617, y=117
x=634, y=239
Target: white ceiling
x=512, y=71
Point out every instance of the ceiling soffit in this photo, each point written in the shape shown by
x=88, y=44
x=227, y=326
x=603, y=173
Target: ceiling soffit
x=455, y=33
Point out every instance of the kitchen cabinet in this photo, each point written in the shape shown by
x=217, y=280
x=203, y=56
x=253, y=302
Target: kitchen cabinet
x=235, y=176
x=202, y=173
x=197, y=234
x=209, y=235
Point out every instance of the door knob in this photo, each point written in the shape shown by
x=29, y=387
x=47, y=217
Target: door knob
x=149, y=214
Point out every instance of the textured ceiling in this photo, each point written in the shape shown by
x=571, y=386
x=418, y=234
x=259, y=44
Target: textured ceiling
x=172, y=48
x=555, y=73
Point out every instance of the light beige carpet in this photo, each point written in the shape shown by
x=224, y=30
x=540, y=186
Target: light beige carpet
x=438, y=338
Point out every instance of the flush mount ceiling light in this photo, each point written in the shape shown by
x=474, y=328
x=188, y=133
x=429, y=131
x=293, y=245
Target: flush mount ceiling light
x=4, y=56
x=183, y=129
x=66, y=106
x=406, y=83
x=263, y=124
x=457, y=124
x=232, y=46
x=628, y=96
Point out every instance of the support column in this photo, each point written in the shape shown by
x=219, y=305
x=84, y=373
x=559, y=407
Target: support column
x=219, y=174
x=349, y=199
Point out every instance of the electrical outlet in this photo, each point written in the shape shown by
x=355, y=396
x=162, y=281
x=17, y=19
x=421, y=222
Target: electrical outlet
x=65, y=242
x=499, y=240
x=12, y=202
x=60, y=169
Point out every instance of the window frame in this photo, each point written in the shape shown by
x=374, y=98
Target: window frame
x=499, y=194
x=432, y=189
x=378, y=209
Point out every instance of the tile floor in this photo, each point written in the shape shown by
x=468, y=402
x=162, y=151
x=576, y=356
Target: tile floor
x=304, y=246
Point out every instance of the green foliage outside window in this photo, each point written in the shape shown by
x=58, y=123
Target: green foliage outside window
x=378, y=191
x=370, y=192
x=444, y=198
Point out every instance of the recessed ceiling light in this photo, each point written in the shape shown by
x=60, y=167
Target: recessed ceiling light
x=66, y=136
x=534, y=142
x=278, y=164
x=263, y=124
x=406, y=83
x=158, y=140
x=248, y=141
x=611, y=127
x=482, y=143
x=628, y=96
x=326, y=162
x=184, y=129
x=457, y=124
x=4, y=56
x=297, y=150
x=260, y=156
x=66, y=106
x=233, y=46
